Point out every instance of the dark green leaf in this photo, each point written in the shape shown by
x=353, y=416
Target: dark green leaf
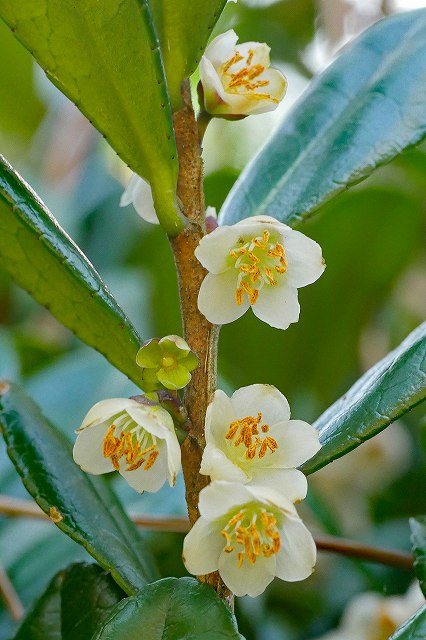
x=105, y=57
x=88, y=514
x=414, y=628
x=360, y=113
x=418, y=541
x=184, y=27
x=171, y=609
x=75, y=603
x=384, y=393
x=42, y=259
x=43, y=622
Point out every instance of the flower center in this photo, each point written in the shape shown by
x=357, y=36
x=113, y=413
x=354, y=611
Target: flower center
x=134, y=444
x=259, y=262
x=245, y=81
x=246, y=432
x=168, y=361
x=252, y=532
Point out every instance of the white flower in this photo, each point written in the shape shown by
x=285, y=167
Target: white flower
x=138, y=193
x=135, y=439
x=250, y=534
x=250, y=437
x=237, y=80
x=371, y=616
x=258, y=262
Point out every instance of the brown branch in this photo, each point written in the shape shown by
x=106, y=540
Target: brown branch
x=10, y=597
x=25, y=508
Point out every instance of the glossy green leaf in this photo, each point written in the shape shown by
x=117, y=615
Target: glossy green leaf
x=43, y=622
x=74, y=604
x=105, y=57
x=80, y=505
x=42, y=259
x=384, y=393
x=184, y=27
x=362, y=111
x=171, y=609
x=414, y=628
x=418, y=541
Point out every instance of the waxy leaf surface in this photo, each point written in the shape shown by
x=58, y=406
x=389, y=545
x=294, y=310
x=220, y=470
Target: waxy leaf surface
x=42, y=259
x=171, y=609
x=414, y=628
x=184, y=27
x=418, y=541
x=81, y=506
x=105, y=57
x=361, y=112
x=384, y=393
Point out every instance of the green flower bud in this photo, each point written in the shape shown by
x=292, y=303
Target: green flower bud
x=166, y=363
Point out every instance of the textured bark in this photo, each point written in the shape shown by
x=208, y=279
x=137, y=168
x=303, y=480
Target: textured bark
x=200, y=334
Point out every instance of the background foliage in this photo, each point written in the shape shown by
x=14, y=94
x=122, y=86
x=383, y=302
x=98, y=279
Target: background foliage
x=371, y=295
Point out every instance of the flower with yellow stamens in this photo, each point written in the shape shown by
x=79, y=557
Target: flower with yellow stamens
x=250, y=534
x=136, y=439
x=258, y=262
x=251, y=439
x=237, y=79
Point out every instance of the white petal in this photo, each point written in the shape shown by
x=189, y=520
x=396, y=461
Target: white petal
x=216, y=299
x=298, y=442
x=128, y=193
x=88, y=450
x=213, y=249
x=150, y=480
x=218, y=498
x=202, y=547
x=222, y=47
x=106, y=409
x=144, y=203
x=220, y=413
x=248, y=401
x=215, y=95
x=173, y=457
x=278, y=306
x=304, y=258
x=216, y=465
x=249, y=579
x=297, y=556
x=155, y=420
x=291, y=483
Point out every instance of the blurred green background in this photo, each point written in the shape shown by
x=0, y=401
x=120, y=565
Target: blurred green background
x=371, y=295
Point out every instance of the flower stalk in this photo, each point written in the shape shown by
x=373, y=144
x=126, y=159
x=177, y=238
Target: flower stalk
x=201, y=335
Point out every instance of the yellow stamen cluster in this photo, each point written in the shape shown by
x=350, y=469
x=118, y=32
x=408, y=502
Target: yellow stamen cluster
x=128, y=446
x=248, y=435
x=259, y=262
x=244, y=81
x=255, y=531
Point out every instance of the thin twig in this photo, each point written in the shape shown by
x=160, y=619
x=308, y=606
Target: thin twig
x=10, y=597
x=25, y=508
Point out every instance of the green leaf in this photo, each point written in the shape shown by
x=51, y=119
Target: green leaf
x=74, y=604
x=170, y=609
x=43, y=622
x=414, y=628
x=384, y=393
x=418, y=541
x=360, y=113
x=184, y=27
x=42, y=259
x=81, y=506
x=105, y=57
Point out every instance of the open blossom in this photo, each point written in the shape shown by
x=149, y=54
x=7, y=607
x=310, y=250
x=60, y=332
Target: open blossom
x=237, y=79
x=250, y=438
x=258, y=262
x=372, y=616
x=166, y=363
x=138, y=440
x=250, y=534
